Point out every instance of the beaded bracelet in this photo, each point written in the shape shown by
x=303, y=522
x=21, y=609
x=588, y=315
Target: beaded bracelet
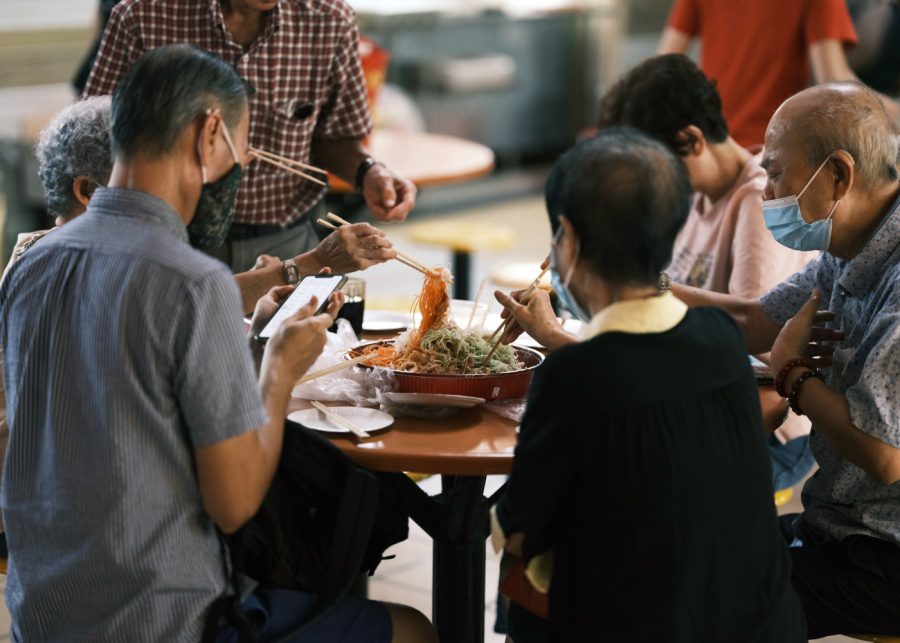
x=795, y=389
x=787, y=368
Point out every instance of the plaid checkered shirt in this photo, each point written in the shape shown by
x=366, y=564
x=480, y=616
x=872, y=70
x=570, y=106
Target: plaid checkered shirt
x=305, y=70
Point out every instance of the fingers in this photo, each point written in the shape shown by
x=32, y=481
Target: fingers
x=279, y=293
x=508, y=303
x=305, y=311
x=808, y=311
x=325, y=271
x=826, y=334
x=335, y=301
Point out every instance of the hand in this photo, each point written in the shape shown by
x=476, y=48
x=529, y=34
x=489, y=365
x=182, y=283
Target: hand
x=536, y=318
x=389, y=197
x=353, y=247
x=266, y=261
x=267, y=306
x=299, y=341
x=804, y=336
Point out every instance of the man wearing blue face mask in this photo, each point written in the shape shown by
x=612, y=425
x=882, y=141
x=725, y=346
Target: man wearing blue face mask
x=831, y=159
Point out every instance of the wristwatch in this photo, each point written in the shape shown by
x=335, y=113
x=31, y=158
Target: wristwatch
x=364, y=166
x=291, y=274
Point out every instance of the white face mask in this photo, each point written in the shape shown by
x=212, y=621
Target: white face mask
x=561, y=286
x=785, y=222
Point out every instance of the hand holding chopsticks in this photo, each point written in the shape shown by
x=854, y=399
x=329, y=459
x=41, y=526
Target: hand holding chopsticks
x=497, y=335
x=339, y=420
x=401, y=257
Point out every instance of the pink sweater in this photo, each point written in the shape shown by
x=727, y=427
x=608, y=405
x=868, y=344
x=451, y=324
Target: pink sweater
x=726, y=247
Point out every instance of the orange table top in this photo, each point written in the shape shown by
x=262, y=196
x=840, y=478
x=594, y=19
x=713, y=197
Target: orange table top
x=426, y=159
x=473, y=442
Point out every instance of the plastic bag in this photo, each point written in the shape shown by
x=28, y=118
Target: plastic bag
x=512, y=409
x=356, y=385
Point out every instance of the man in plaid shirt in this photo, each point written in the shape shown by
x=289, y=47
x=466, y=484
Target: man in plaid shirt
x=309, y=104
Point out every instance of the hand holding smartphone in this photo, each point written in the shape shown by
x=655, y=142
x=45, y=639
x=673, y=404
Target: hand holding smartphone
x=319, y=286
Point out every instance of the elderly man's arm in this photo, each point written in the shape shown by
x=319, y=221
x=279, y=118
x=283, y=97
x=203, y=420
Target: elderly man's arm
x=347, y=249
x=829, y=64
x=861, y=423
x=758, y=330
x=388, y=196
x=234, y=474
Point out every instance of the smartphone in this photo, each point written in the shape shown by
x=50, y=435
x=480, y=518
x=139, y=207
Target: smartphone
x=319, y=286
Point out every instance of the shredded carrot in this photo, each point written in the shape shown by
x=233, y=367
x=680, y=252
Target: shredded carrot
x=382, y=354
x=433, y=303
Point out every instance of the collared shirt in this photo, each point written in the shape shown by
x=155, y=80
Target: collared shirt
x=864, y=294
x=305, y=70
x=124, y=352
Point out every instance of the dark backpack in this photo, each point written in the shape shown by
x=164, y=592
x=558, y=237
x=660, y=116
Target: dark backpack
x=323, y=522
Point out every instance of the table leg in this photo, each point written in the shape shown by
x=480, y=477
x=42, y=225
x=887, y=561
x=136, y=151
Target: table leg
x=459, y=560
x=462, y=275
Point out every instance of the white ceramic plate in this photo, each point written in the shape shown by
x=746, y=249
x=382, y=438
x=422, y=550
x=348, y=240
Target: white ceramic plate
x=385, y=321
x=434, y=399
x=365, y=418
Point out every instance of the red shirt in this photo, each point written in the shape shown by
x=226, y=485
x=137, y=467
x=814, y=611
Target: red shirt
x=757, y=51
x=305, y=68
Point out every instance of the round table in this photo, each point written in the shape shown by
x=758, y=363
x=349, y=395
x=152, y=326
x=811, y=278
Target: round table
x=464, y=448
x=426, y=159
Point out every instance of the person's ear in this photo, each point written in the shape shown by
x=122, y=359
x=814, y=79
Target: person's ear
x=83, y=189
x=568, y=240
x=843, y=170
x=208, y=131
x=691, y=140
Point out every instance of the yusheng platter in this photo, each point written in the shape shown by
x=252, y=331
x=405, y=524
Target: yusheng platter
x=439, y=357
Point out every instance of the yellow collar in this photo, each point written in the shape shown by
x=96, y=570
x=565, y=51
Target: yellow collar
x=650, y=315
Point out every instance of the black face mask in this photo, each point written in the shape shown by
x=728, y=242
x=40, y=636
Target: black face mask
x=215, y=210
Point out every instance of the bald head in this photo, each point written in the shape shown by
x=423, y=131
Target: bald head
x=838, y=116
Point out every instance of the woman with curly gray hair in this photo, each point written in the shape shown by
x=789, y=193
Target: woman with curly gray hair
x=73, y=159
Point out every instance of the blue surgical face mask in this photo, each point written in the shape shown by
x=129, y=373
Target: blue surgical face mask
x=561, y=286
x=784, y=221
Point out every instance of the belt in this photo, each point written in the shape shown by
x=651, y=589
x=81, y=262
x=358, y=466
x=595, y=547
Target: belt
x=241, y=231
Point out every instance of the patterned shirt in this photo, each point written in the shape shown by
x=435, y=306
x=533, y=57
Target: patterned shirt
x=305, y=70
x=841, y=499
x=123, y=353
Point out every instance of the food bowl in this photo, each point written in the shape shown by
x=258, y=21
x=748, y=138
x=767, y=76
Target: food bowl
x=491, y=386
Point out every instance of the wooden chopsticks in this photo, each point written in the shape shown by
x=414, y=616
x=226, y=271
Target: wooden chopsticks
x=339, y=420
x=498, y=334
x=288, y=165
x=309, y=377
x=401, y=257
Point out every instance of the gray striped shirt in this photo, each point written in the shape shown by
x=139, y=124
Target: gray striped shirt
x=124, y=351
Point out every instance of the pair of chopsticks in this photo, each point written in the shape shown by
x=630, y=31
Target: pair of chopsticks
x=498, y=334
x=401, y=257
x=309, y=377
x=288, y=165
x=339, y=420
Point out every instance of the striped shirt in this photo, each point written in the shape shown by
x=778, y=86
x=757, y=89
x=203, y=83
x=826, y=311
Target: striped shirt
x=305, y=69
x=123, y=353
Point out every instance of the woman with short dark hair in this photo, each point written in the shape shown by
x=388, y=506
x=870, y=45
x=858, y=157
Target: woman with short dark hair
x=640, y=493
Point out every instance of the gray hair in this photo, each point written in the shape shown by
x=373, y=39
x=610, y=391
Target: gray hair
x=858, y=124
x=76, y=143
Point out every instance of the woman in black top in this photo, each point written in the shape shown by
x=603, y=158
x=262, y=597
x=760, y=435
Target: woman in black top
x=642, y=464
